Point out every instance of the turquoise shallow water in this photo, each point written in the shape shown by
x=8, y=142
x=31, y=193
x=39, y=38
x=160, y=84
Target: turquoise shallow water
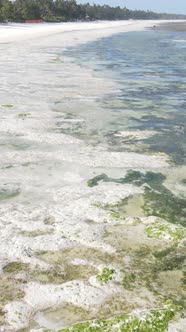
x=150, y=68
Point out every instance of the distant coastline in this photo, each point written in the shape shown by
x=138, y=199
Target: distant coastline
x=71, y=11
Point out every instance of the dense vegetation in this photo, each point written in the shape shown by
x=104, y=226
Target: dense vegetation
x=69, y=10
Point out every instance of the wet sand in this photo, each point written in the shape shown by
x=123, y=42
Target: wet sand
x=179, y=26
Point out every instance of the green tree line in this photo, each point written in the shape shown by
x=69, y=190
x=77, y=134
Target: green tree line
x=69, y=10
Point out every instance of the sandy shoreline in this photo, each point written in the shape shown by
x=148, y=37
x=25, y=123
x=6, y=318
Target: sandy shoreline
x=18, y=32
x=21, y=32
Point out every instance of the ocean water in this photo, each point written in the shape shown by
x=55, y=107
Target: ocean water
x=150, y=68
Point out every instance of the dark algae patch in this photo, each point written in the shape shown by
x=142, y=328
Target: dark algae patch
x=95, y=181
x=7, y=105
x=105, y=178
x=158, y=200
x=172, y=258
x=129, y=280
x=135, y=177
x=147, y=266
x=11, y=289
x=15, y=267
x=170, y=137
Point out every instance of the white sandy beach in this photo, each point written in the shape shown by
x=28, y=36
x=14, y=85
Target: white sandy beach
x=18, y=32
x=15, y=32
x=44, y=174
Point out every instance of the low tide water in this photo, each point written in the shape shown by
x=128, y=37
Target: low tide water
x=150, y=68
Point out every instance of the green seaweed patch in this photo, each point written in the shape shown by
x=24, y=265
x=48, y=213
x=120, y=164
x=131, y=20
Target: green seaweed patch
x=154, y=180
x=45, y=277
x=145, y=321
x=95, y=180
x=23, y=115
x=133, y=221
x=165, y=231
x=119, y=212
x=163, y=253
x=172, y=261
x=116, y=211
x=49, y=277
x=115, y=214
x=7, y=105
x=147, y=264
x=10, y=290
x=15, y=267
x=165, y=205
x=103, y=178
x=158, y=200
x=135, y=177
x=106, y=275
x=82, y=252
x=63, y=269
